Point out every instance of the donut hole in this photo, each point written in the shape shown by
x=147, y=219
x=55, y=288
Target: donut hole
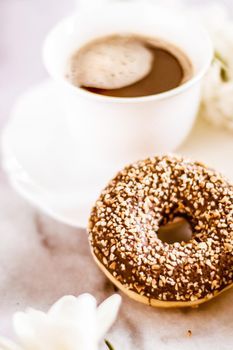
x=177, y=230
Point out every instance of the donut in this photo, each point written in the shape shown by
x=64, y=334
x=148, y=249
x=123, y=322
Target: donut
x=124, y=223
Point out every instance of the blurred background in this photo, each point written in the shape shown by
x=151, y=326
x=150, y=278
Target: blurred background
x=23, y=26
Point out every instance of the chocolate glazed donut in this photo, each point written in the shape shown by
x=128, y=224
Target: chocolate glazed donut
x=125, y=220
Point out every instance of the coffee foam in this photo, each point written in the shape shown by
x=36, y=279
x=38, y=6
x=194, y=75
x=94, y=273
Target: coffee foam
x=110, y=63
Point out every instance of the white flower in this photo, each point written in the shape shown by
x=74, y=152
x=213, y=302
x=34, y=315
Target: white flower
x=217, y=99
x=70, y=324
x=218, y=107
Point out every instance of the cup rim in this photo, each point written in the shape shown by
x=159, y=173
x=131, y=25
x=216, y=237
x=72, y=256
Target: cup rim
x=155, y=97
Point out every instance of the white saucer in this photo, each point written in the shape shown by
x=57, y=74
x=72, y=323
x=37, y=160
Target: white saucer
x=38, y=156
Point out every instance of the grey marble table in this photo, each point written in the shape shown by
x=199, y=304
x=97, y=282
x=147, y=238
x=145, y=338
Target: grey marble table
x=40, y=259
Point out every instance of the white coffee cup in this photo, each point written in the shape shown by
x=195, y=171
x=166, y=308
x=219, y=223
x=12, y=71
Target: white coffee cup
x=108, y=131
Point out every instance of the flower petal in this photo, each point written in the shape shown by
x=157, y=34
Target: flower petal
x=78, y=316
x=27, y=326
x=6, y=344
x=71, y=322
x=22, y=325
x=107, y=313
x=87, y=315
x=64, y=308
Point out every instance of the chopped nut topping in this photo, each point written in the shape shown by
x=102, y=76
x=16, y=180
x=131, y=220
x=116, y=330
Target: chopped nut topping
x=145, y=195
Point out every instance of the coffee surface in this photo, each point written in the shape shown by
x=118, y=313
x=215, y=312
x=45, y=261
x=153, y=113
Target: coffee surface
x=169, y=68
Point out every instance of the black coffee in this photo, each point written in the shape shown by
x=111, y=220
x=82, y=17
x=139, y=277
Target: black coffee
x=169, y=68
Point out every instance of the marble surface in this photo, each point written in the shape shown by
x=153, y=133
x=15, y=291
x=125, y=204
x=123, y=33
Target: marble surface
x=40, y=259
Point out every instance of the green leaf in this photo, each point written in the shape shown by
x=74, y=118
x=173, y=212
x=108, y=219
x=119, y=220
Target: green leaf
x=109, y=345
x=224, y=67
x=224, y=75
x=218, y=57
